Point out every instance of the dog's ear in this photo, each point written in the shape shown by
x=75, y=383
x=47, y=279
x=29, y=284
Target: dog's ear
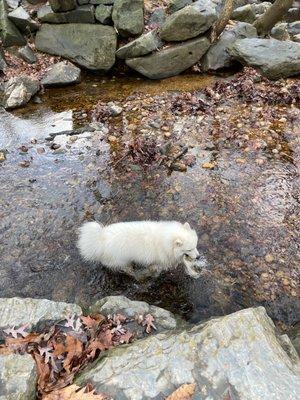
x=186, y=225
x=178, y=242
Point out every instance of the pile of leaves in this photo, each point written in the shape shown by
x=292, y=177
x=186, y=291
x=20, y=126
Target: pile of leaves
x=67, y=347
x=250, y=86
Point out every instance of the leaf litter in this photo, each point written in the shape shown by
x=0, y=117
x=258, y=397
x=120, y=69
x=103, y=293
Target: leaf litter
x=68, y=346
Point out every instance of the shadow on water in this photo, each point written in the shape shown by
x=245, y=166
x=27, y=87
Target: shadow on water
x=244, y=212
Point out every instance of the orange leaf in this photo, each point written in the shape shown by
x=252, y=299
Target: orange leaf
x=74, y=349
x=73, y=392
x=184, y=392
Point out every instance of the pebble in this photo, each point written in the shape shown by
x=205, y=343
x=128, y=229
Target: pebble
x=2, y=156
x=209, y=165
x=269, y=258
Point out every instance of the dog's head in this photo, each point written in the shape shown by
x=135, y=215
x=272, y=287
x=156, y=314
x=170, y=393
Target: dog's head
x=185, y=243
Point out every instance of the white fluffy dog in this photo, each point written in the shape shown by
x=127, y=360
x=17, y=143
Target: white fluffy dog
x=158, y=246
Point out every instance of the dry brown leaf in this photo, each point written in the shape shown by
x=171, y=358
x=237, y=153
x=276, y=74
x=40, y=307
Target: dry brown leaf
x=74, y=392
x=184, y=392
x=74, y=349
x=43, y=371
x=92, y=320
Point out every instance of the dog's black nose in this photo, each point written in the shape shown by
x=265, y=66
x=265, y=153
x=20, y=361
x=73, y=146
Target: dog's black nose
x=197, y=258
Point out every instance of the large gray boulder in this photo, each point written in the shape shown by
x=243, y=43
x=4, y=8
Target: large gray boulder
x=9, y=33
x=18, y=377
x=141, y=46
x=172, y=60
x=17, y=92
x=83, y=14
x=238, y=356
x=22, y=20
x=91, y=46
x=62, y=5
x=16, y=311
x=218, y=54
x=122, y=305
x=128, y=17
x=61, y=74
x=189, y=22
x=273, y=58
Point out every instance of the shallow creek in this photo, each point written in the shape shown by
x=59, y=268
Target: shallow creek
x=245, y=211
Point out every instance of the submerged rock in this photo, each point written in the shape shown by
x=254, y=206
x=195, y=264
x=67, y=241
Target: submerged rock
x=27, y=54
x=141, y=46
x=9, y=33
x=122, y=305
x=18, y=377
x=170, y=61
x=17, y=92
x=22, y=20
x=128, y=17
x=218, y=54
x=16, y=311
x=238, y=355
x=91, y=46
x=83, y=14
x=273, y=58
x=62, y=74
x=189, y=22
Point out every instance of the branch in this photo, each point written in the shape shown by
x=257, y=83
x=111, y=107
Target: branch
x=222, y=21
x=265, y=22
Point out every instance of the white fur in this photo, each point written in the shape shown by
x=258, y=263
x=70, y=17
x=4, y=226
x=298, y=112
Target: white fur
x=163, y=244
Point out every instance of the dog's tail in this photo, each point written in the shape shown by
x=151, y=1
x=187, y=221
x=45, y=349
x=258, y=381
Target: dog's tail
x=89, y=242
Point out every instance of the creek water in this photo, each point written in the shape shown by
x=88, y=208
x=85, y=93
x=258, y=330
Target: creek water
x=245, y=212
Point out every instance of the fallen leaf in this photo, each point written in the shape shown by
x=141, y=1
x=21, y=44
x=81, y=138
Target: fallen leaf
x=184, y=392
x=74, y=350
x=15, y=332
x=148, y=323
x=74, y=392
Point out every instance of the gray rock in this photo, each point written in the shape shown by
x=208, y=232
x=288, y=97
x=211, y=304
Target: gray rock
x=82, y=2
x=17, y=92
x=294, y=335
x=105, y=2
x=157, y=18
x=16, y=311
x=82, y=14
x=70, y=41
x=103, y=14
x=176, y=5
x=189, y=22
x=260, y=8
x=237, y=356
x=128, y=17
x=280, y=32
x=273, y=58
x=61, y=74
x=141, y=46
x=113, y=109
x=292, y=15
x=62, y=5
x=3, y=64
x=122, y=305
x=244, y=14
x=172, y=60
x=294, y=28
x=27, y=54
x=22, y=20
x=9, y=33
x=18, y=377
x=218, y=54
x=12, y=3
x=296, y=38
